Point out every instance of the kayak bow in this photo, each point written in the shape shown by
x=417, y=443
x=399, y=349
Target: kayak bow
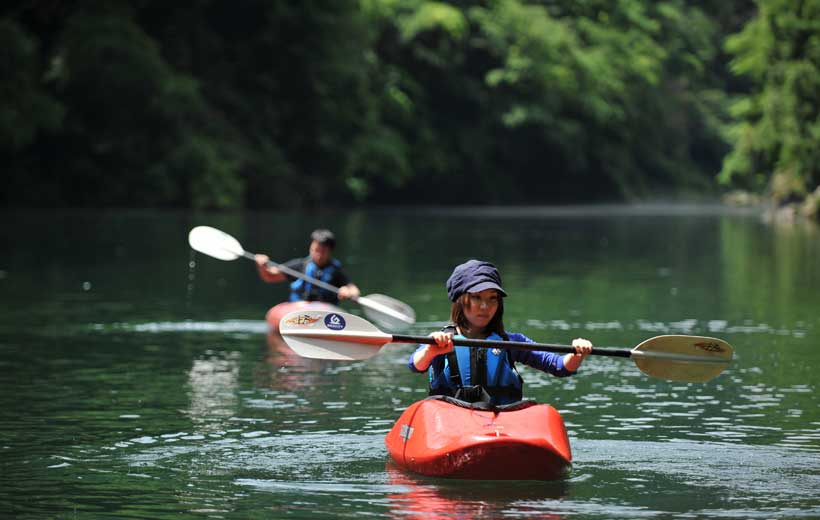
x=443, y=437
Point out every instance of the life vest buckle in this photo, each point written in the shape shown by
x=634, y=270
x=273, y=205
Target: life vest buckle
x=473, y=394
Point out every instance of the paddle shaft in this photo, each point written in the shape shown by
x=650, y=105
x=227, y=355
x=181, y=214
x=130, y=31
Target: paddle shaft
x=366, y=302
x=514, y=345
x=287, y=270
x=346, y=337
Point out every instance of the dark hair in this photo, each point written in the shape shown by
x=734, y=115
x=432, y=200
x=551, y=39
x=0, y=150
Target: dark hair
x=324, y=236
x=496, y=324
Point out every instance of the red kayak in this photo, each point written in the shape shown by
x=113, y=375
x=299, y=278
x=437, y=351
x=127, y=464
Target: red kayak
x=274, y=315
x=443, y=437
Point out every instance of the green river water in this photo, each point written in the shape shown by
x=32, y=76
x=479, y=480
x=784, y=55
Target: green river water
x=136, y=380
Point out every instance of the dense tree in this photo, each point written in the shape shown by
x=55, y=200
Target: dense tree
x=778, y=124
x=262, y=103
x=567, y=100
x=27, y=111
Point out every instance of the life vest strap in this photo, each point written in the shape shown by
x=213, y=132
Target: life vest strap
x=478, y=377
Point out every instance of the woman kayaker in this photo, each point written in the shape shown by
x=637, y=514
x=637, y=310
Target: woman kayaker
x=475, y=374
x=319, y=264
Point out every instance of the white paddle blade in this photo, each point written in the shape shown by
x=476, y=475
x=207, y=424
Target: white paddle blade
x=331, y=335
x=215, y=243
x=388, y=312
x=693, y=359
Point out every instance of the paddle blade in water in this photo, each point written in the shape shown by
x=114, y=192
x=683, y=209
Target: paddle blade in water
x=215, y=243
x=683, y=358
x=331, y=335
x=388, y=312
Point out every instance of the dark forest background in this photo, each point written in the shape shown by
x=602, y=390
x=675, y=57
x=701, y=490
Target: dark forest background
x=217, y=104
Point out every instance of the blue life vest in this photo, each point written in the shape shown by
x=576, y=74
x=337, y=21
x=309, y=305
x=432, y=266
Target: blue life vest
x=492, y=369
x=304, y=290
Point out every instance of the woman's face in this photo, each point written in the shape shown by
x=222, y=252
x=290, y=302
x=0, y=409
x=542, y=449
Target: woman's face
x=481, y=308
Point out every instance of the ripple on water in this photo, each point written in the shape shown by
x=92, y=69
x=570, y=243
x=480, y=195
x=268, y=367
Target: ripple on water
x=613, y=478
x=688, y=326
x=264, y=450
x=707, y=473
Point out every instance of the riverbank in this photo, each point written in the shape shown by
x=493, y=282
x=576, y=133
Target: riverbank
x=790, y=208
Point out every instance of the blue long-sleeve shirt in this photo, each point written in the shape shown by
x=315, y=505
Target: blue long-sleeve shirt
x=549, y=362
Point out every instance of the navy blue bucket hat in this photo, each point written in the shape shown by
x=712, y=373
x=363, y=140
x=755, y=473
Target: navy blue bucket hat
x=473, y=276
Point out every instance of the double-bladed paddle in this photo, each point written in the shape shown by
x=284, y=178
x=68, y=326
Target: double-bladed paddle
x=387, y=311
x=341, y=336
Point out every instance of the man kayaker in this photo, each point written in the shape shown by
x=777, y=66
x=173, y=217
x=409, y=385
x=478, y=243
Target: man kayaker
x=474, y=374
x=319, y=264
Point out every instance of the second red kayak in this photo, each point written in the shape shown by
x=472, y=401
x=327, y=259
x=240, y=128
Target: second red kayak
x=275, y=313
x=443, y=437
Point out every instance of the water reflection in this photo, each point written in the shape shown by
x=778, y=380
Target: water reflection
x=282, y=370
x=214, y=383
x=440, y=499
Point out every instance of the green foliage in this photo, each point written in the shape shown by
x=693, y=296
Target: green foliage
x=265, y=103
x=135, y=129
x=430, y=16
x=778, y=123
x=622, y=95
x=25, y=106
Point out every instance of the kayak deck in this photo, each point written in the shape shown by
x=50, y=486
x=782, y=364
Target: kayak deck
x=275, y=313
x=524, y=441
